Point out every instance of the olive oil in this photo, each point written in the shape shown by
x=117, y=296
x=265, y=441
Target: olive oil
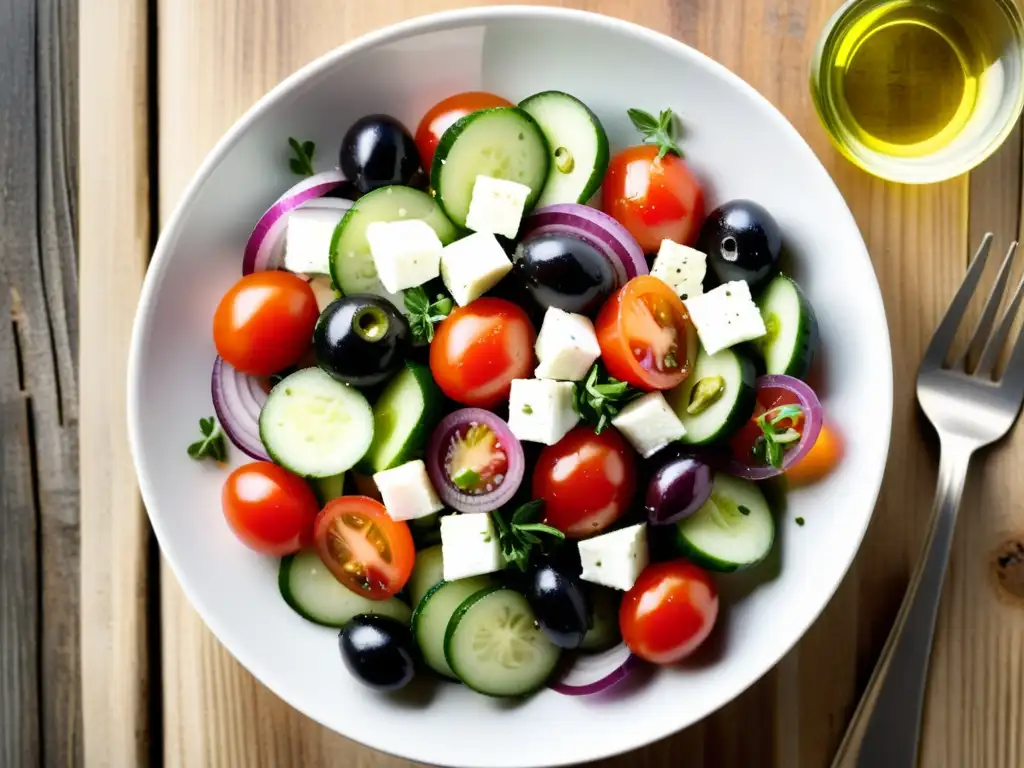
x=909, y=88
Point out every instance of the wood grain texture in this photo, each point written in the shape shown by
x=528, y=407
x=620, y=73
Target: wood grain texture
x=40, y=702
x=217, y=715
x=115, y=244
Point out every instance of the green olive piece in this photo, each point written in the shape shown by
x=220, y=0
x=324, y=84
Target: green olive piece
x=704, y=393
x=563, y=160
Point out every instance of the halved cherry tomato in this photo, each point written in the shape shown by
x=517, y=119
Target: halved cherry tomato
x=264, y=323
x=654, y=199
x=441, y=116
x=646, y=336
x=821, y=459
x=363, y=547
x=479, y=349
x=271, y=510
x=586, y=481
x=669, y=612
x=744, y=441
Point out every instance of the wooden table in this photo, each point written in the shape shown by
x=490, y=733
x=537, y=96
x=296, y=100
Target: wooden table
x=159, y=83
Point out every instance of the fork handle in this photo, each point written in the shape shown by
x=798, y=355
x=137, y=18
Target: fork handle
x=885, y=729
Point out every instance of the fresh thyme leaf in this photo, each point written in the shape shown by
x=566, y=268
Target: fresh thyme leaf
x=212, y=444
x=302, y=163
x=659, y=131
x=600, y=397
x=522, y=532
x=424, y=314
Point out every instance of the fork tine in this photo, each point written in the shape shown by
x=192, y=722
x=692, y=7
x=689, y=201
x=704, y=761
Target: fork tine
x=989, y=355
x=980, y=340
x=944, y=335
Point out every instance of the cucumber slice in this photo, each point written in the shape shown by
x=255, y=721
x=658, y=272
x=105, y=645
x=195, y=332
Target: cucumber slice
x=432, y=614
x=328, y=488
x=312, y=592
x=352, y=266
x=734, y=404
x=503, y=143
x=732, y=531
x=315, y=426
x=495, y=647
x=403, y=416
x=603, y=632
x=578, y=145
x=792, y=336
x=426, y=574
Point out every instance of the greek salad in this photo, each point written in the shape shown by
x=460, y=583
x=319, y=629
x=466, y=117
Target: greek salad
x=510, y=396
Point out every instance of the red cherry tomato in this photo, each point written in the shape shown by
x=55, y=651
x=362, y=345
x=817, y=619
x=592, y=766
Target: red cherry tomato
x=669, y=612
x=264, y=323
x=586, y=481
x=743, y=442
x=654, y=199
x=363, y=547
x=646, y=336
x=479, y=349
x=271, y=510
x=442, y=115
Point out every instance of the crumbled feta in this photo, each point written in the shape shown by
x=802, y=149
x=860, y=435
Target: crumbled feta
x=472, y=266
x=406, y=253
x=497, y=206
x=682, y=267
x=406, y=491
x=649, y=424
x=540, y=410
x=307, y=241
x=469, y=546
x=725, y=316
x=566, y=346
x=615, y=559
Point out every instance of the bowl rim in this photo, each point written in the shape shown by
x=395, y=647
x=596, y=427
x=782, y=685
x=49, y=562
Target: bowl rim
x=632, y=738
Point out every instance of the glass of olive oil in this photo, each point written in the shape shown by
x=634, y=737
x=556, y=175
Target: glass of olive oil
x=919, y=91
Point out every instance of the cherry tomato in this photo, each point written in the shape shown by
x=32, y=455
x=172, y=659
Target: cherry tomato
x=271, y=510
x=586, y=481
x=363, y=547
x=743, y=442
x=654, y=199
x=479, y=349
x=264, y=323
x=669, y=612
x=646, y=336
x=442, y=115
x=821, y=459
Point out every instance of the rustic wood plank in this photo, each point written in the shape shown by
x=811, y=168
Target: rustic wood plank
x=115, y=243
x=41, y=719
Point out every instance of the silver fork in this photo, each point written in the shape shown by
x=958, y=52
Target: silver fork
x=969, y=411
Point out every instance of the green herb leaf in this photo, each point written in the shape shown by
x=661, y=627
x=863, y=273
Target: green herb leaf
x=424, y=314
x=659, y=131
x=770, y=446
x=212, y=444
x=600, y=397
x=522, y=532
x=302, y=163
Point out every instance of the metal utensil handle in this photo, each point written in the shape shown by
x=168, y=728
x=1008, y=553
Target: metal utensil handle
x=885, y=729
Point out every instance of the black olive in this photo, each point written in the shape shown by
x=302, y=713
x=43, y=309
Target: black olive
x=361, y=339
x=378, y=151
x=743, y=242
x=379, y=651
x=564, y=271
x=559, y=603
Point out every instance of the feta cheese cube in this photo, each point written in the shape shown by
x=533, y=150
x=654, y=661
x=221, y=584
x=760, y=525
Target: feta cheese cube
x=469, y=546
x=406, y=491
x=540, y=410
x=472, y=266
x=566, y=346
x=405, y=253
x=649, y=424
x=496, y=206
x=725, y=316
x=615, y=559
x=682, y=267
x=307, y=240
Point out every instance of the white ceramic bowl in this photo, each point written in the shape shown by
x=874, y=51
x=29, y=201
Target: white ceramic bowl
x=737, y=143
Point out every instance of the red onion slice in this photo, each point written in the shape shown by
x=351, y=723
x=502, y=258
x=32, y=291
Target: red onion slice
x=237, y=400
x=437, y=460
x=264, y=249
x=596, y=672
x=596, y=228
x=813, y=417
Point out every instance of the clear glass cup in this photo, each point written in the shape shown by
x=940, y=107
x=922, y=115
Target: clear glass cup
x=919, y=91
